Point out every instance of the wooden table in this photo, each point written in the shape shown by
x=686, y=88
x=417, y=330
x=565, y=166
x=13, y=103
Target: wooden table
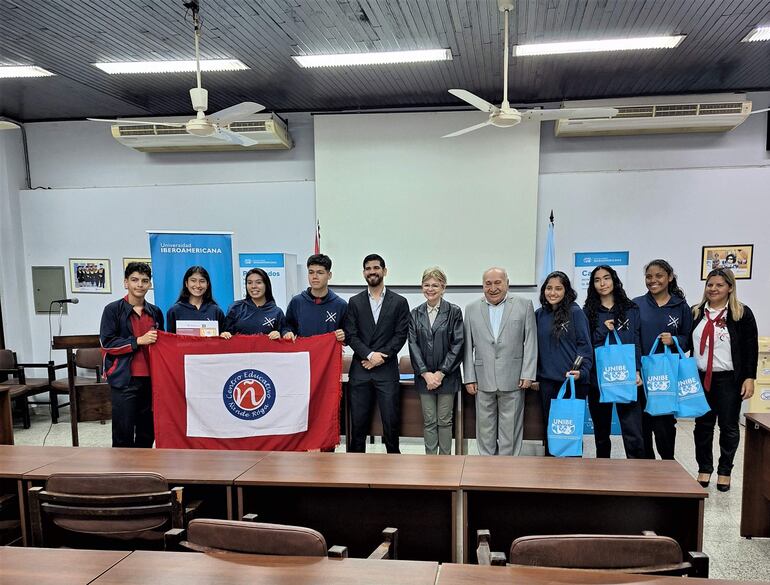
x=49, y=566
x=755, y=510
x=351, y=497
x=172, y=568
x=15, y=461
x=474, y=574
x=206, y=475
x=519, y=496
x=6, y=415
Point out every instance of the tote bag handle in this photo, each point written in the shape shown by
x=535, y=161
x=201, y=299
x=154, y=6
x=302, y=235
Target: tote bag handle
x=563, y=389
x=617, y=339
x=666, y=349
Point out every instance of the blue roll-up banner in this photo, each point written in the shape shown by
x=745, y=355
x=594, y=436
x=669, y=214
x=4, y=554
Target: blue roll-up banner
x=174, y=252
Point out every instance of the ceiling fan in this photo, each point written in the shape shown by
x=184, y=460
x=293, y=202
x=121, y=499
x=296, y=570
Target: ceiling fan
x=213, y=125
x=505, y=115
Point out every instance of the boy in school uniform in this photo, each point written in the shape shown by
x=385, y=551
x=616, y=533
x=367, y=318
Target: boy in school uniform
x=318, y=309
x=129, y=326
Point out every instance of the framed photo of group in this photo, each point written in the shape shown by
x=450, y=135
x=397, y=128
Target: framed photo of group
x=90, y=275
x=736, y=257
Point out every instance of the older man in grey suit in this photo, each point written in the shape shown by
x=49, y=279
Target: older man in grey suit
x=500, y=363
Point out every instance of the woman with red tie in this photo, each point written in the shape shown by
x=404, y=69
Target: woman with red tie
x=725, y=345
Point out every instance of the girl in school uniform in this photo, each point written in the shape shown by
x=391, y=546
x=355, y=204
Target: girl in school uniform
x=664, y=315
x=725, y=346
x=608, y=308
x=196, y=301
x=562, y=336
x=257, y=312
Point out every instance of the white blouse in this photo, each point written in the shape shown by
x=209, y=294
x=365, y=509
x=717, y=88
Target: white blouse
x=723, y=359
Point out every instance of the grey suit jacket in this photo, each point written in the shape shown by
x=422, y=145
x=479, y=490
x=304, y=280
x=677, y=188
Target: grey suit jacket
x=500, y=364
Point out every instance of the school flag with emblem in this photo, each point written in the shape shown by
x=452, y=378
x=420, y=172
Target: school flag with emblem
x=247, y=392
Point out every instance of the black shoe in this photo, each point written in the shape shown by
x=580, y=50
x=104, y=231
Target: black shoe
x=723, y=483
x=704, y=479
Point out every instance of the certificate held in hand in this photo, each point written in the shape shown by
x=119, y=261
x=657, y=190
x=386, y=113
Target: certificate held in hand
x=198, y=328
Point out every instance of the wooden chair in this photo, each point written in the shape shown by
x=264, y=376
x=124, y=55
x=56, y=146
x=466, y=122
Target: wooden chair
x=645, y=553
x=106, y=511
x=14, y=374
x=251, y=537
x=85, y=359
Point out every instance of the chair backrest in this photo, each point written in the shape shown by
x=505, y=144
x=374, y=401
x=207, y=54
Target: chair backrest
x=7, y=360
x=405, y=365
x=89, y=358
x=205, y=535
x=108, y=506
x=346, y=361
x=595, y=551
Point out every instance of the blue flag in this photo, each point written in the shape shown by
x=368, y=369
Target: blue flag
x=549, y=255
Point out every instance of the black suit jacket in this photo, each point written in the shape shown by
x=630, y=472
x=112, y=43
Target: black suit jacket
x=439, y=347
x=388, y=335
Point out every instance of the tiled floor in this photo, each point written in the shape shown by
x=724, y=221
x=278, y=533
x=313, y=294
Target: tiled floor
x=732, y=557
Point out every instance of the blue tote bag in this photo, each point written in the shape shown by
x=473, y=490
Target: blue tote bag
x=690, y=399
x=660, y=374
x=616, y=370
x=565, y=423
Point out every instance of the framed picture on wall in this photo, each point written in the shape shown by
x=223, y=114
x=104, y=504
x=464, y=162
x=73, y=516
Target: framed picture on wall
x=90, y=275
x=127, y=261
x=736, y=257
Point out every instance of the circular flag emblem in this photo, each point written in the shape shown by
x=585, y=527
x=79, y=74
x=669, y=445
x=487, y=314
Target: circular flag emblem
x=249, y=394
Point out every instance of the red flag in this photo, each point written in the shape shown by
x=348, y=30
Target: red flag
x=247, y=392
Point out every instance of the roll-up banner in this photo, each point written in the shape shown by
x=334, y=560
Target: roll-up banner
x=174, y=252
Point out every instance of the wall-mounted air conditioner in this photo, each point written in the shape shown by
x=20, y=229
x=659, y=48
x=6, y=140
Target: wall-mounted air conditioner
x=268, y=130
x=660, y=115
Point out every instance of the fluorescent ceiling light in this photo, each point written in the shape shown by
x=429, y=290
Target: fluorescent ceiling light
x=8, y=71
x=667, y=42
x=170, y=66
x=761, y=33
x=381, y=58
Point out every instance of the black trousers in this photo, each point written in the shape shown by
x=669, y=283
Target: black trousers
x=724, y=398
x=663, y=428
x=361, y=395
x=630, y=417
x=132, y=422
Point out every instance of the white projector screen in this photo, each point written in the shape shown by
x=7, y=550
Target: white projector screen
x=389, y=184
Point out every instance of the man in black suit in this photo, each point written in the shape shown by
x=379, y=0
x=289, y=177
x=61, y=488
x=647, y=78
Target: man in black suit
x=376, y=326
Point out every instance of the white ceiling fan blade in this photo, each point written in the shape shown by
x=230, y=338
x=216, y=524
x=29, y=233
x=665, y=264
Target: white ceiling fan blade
x=233, y=137
x=468, y=129
x=567, y=113
x=235, y=113
x=759, y=111
x=474, y=100
x=142, y=122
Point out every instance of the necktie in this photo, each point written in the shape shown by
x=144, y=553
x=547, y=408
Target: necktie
x=708, y=336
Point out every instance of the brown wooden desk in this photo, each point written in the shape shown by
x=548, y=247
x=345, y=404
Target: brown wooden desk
x=474, y=574
x=49, y=566
x=351, y=497
x=15, y=461
x=206, y=475
x=6, y=415
x=170, y=568
x=755, y=510
x=519, y=496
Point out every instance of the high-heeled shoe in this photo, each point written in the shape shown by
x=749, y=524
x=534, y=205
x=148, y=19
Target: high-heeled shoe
x=704, y=479
x=723, y=483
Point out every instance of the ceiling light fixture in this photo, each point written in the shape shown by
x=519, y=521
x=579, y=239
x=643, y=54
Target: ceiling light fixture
x=379, y=58
x=136, y=67
x=640, y=43
x=761, y=33
x=11, y=71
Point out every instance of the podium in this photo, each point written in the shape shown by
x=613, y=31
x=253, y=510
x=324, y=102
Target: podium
x=88, y=402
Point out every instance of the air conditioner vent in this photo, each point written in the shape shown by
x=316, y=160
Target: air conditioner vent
x=671, y=114
x=269, y=131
